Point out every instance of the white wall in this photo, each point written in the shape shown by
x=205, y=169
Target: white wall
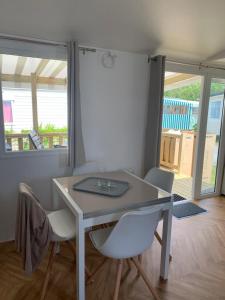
x=113, y=111
x=113, y=107
x=36, y=170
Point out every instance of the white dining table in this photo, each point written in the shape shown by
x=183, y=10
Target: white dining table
x=92, y=209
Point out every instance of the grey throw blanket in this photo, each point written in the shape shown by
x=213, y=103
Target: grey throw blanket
x=33, y=230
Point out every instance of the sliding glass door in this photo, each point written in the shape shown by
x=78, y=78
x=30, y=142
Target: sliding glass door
x=192, y=142
x=182, y=92
x=211, y=151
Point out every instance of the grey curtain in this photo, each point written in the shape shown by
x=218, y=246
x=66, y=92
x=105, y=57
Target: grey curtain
x=223, y=183
x=76, y=146
x=154, y=116
x=2, y=143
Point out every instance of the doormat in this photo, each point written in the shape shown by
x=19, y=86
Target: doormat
x=187, y=209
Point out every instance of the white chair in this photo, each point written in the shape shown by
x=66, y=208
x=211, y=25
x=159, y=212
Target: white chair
x=63, y=226
x=130, y=237
x=64, y=230
x=160, y=178
x=163, y=180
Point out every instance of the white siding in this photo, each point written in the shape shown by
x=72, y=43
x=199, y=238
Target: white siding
x=52, y=108
x=21, y=108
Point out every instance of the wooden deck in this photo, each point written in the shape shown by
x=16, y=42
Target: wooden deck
x=183, y=186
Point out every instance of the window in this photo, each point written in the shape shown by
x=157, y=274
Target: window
x=34, y=97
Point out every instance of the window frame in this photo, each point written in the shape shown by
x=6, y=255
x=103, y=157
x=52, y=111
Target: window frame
x=25, y=153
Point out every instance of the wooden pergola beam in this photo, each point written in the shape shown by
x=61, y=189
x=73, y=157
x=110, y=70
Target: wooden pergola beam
x=43, y=63
x=21, y=61
x=58, y=69
x=34, y=101
x=177, y=78
x=25, y=78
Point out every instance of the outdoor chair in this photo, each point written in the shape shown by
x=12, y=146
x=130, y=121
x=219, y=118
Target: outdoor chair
x=35, y=140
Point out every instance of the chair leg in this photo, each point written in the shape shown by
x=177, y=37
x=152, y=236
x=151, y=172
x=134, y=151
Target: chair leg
x=57, y=248
x=47, y=276
x=129, y=264
x=158, y=237
x=91, y=275
x=73, y=250
x=140, y=259
x=145, y=278
x=118, y=279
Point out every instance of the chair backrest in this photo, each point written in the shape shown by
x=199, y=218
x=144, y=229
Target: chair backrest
x=33, y=229
x=160, y=178
x=26, y=190
x=36, y=140
x=133, y=234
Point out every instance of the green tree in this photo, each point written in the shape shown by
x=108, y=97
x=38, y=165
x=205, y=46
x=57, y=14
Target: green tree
x=192, y=91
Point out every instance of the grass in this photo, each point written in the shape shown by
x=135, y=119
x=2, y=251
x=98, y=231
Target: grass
x=213, y=175
x=48, y=128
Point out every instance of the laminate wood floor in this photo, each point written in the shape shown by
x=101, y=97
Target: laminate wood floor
x=197, y=270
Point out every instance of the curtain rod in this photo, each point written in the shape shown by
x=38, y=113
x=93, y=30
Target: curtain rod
x=40, y=41
x=84, y=49
x=31, y=40
x=200, y=65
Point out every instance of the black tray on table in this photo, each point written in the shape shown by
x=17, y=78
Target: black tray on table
x=102, y=186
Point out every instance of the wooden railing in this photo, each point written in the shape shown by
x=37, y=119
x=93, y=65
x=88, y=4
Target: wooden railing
x=177, y=152
x=21, y=142
x=170, y=150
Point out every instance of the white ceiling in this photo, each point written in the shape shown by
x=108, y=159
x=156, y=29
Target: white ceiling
x=187, y=29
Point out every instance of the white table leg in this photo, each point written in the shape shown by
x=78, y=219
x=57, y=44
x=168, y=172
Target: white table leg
x=80, y=258
x=166, y=239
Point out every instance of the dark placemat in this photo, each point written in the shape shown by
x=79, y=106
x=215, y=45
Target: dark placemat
x=102, y=186
x=187, y=209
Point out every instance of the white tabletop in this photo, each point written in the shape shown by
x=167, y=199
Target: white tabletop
x=139, y=194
